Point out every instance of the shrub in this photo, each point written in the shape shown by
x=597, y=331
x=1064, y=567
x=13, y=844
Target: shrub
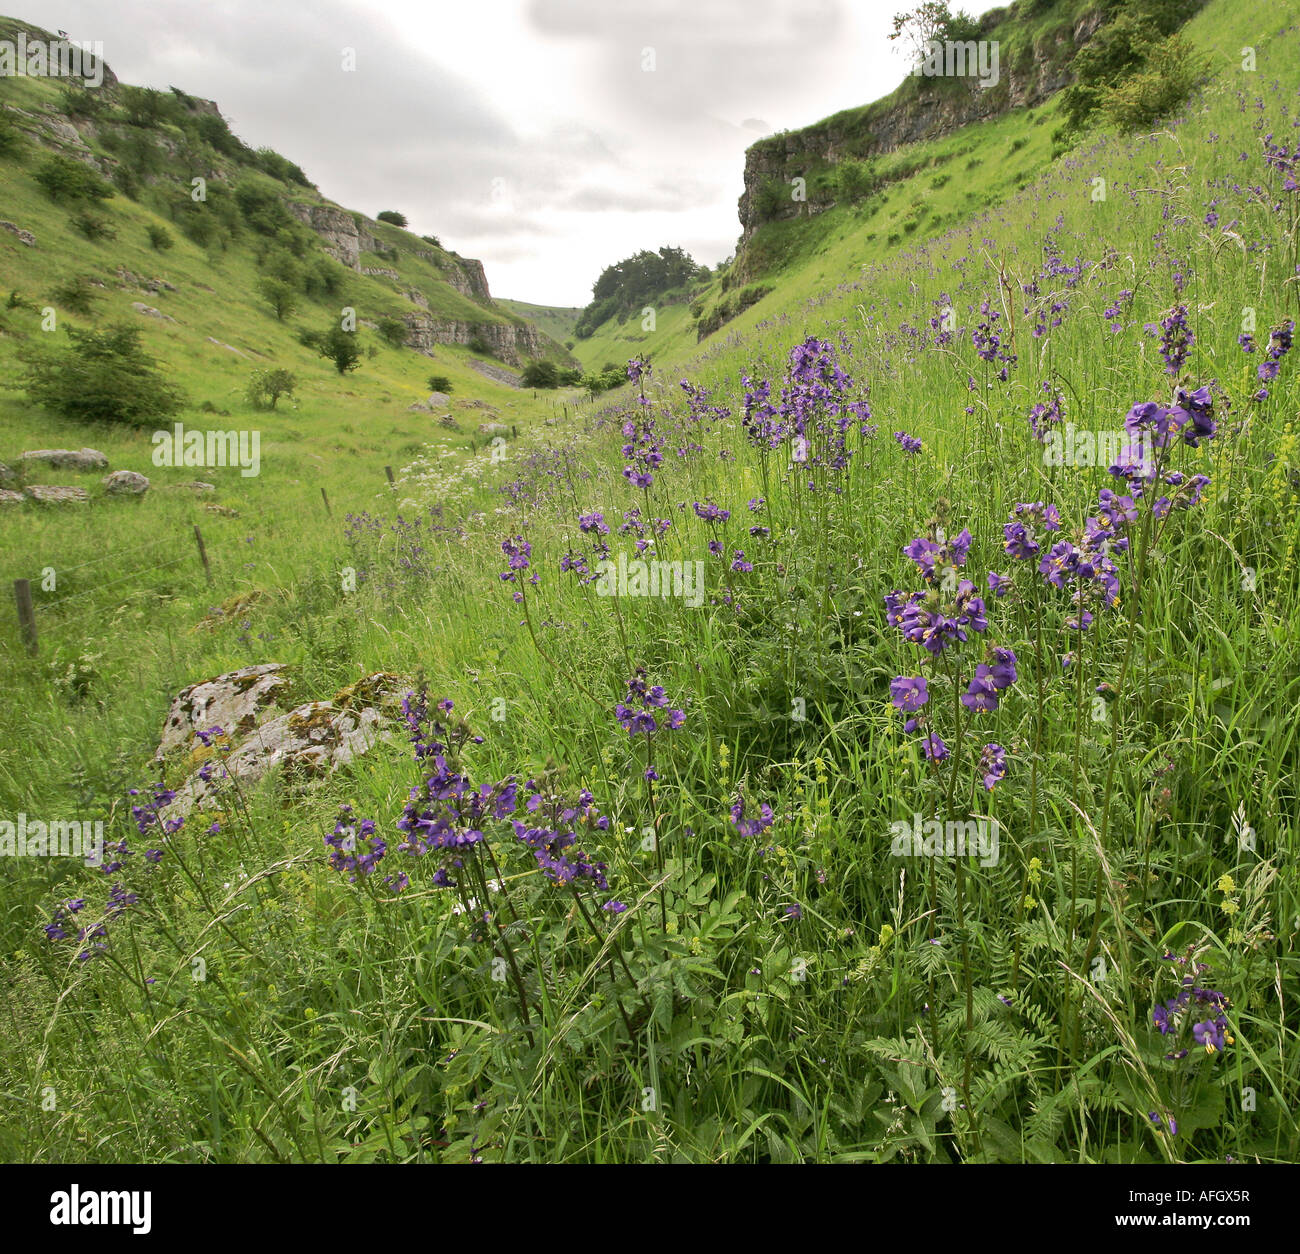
x=342, y=348
x=391, y=216
x=160, y=238
x=265, y=387
x=94, y=226
x=77, y=294
x=11, y=140
x=393, y=332
x=63, y=179
x=540, y=374
x=1171, y=70
x=439, y=383
x=103, y=376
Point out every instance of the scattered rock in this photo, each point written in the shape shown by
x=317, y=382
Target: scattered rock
x=126, y=483
x=212, y=339
x=197, y=485
x=10, y=498
x=160, y=285
x=224, y=510
x=493, y=428
x=231, y=702
x=67, y=459
x=449, y=422
x=55, y=494
x=24, y=237
x=150, y=312
x=7, y=475
x=437, y=399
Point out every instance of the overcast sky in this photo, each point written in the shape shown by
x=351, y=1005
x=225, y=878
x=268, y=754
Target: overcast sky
x=549, y=138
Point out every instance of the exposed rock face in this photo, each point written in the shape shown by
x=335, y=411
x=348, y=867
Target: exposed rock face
x=68, y=459
x=470, y=279
x=509, y=341
x=24, y=237
x=232, y=702
x=11, y=476
x=10, y=498
x=126, y=483
x=340, y=235
x=939, y=107
x=307, y=743
x=51, y=494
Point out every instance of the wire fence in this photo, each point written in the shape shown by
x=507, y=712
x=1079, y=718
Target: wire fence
x=30, y=594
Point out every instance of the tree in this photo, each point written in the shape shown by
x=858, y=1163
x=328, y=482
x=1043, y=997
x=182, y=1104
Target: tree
x=103, y=376
x=931, y=20
x=280, y=295
x=267, y=386
x=439, y=383
x=391, y=216
x=342, y=348
x=160, y=238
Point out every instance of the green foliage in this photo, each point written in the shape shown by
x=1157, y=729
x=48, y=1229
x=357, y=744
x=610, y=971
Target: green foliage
x=78, y=294
x=341, y=347
x=265, y=387
x=102, y=376
x=1169, y=71
x=63, y=179
x=393, y=217
x=633, y=283
x=280, y=295
x=160, y=238
x=93, y=226
x=393, y=332
x=440, y=383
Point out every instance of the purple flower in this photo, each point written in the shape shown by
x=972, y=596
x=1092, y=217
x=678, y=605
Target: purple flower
x=907, y=694
x=752, y=826
x=993, y=764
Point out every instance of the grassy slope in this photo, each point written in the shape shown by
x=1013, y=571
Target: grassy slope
x=838, y=781
x=556, y=320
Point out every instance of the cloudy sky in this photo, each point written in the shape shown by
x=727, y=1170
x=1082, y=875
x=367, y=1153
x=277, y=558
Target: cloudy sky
x=549, y=138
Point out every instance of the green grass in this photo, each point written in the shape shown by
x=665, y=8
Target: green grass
x=925, y=1010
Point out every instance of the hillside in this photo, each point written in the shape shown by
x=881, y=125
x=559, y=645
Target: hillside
x=869, y=737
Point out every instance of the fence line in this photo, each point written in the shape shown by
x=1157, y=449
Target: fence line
x=26, y=606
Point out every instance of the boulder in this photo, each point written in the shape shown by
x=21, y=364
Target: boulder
x=232, y=702
x=68, y=459
x=56, y=494
x=10, y=498
x=126, y=483
x=307, y=743
x=493, y=428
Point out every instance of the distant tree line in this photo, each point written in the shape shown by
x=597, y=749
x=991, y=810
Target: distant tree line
x=631, y=284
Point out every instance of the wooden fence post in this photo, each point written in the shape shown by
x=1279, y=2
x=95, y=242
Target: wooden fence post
x=26, y=614
x=203, y=553
x=326, y=499
x=388, y=470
